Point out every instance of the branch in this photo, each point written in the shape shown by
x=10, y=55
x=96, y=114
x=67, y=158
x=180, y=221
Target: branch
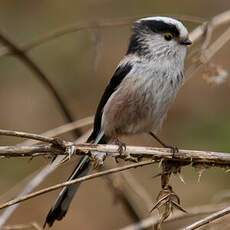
x=31, y=136
x=193, y=156
x=216, y=21
x=63, y=129
x=78, y=180
x=208, y=219
x=29, y=151
x=219, y=159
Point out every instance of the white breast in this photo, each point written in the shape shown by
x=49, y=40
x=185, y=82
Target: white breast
x=142, y=100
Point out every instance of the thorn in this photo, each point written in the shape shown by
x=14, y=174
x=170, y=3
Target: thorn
x=181, y=178
x=159, y=202
x=160, y=163
x=200, y=173
x=179, y=207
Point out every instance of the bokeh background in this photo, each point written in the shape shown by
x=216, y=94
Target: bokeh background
x=199, y=119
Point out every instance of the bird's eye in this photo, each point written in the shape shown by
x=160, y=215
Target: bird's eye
x=168, y=36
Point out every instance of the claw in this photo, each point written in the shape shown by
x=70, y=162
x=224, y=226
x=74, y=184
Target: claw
x=181, y=177
x=121, y=146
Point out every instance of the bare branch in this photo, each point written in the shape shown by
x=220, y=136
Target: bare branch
x=208, y=219
x=78, y=180
x=29, y=151
x=63, y=129
x=27, y=135
x=161, y=153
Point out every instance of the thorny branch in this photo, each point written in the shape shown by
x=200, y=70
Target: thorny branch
x=219, y=159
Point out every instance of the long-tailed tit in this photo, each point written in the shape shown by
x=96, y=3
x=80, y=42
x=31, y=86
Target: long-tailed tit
x=139, y=94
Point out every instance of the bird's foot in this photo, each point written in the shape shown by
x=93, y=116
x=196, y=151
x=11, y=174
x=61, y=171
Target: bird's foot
x=122, y=152
x=98, y=158
x=121, y=146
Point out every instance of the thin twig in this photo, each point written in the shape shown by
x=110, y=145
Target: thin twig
x=63, y=129
x=27, y=135
x=30, y=151
x=208, y=219
x=78, y=180
x=218, y=20
x=207, y=54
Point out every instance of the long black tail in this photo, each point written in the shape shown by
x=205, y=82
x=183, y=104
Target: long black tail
x=61, y=205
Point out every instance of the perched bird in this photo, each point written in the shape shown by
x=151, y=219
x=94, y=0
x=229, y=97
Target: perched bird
x=139, y=94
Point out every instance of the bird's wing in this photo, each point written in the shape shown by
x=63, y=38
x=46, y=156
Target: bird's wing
x=120, y=73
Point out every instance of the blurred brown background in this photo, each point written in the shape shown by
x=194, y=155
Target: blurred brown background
x=199, y=119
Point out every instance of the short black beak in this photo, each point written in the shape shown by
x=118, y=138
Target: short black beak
x=186, y=42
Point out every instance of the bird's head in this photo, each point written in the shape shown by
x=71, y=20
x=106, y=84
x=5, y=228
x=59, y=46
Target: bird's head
x=159, y=37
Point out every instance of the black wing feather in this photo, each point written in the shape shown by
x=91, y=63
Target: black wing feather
x=117, y=78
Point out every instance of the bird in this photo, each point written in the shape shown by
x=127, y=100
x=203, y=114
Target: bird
x=139, y=94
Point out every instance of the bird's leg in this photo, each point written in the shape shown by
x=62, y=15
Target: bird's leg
x=173, y=148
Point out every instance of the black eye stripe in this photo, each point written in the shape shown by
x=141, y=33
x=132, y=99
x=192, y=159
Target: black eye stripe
x=157, y=26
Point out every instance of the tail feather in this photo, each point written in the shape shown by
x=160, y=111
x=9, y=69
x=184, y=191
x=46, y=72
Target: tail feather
x=61, y=205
